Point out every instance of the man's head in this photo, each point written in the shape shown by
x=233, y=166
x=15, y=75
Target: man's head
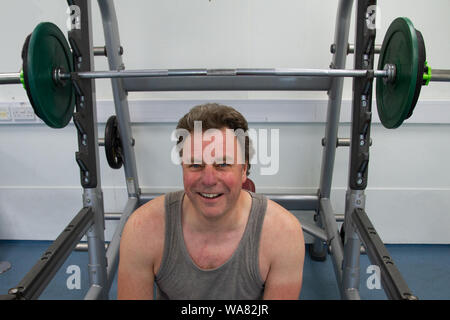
x=215, y=156
x=217, y=116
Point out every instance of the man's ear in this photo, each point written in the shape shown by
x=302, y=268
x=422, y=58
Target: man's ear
x=244, y=172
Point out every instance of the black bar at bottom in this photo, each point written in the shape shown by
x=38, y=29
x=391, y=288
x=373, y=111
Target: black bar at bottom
x=393, y=283
x=37, y=279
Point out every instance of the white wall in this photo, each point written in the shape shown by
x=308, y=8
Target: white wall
x=409, y=184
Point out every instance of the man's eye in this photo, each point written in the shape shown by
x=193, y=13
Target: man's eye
x=195, y=166
x=223, y=165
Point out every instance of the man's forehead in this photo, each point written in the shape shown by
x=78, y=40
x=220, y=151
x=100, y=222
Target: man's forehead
x=210, y=133
x=219, y=137
x=217, y=146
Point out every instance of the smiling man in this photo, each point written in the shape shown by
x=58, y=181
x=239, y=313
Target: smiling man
x=212, y=240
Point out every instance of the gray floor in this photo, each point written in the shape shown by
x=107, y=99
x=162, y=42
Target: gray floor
x=426, y=269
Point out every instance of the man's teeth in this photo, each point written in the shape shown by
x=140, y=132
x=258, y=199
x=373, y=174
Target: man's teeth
x=210, y=195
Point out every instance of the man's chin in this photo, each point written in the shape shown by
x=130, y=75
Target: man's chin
x=209, y=207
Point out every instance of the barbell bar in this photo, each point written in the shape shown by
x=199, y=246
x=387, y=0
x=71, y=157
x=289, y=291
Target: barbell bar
x=388, y=73
x=10, y=78
x=440, y=75
x=59, y=76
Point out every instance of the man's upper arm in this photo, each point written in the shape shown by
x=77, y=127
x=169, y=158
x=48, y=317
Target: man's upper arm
x=284, y=279
x=139, y=247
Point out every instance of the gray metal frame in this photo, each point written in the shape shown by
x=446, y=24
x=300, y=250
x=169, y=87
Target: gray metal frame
x=343, y=252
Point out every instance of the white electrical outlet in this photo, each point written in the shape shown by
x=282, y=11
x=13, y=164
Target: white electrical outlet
x=5, y=114
x=23, y=114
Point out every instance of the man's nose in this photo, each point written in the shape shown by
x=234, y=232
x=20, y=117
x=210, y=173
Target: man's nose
x=209, y=175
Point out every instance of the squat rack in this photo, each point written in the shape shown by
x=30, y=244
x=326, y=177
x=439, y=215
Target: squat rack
x=90, y=221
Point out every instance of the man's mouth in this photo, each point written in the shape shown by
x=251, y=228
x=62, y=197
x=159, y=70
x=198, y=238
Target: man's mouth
x=210, y=195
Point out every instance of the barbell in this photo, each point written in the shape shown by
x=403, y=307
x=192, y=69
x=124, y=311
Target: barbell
x=49, y=79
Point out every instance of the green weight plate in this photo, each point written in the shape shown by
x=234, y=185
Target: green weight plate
x=45, y=50
x=395, y=100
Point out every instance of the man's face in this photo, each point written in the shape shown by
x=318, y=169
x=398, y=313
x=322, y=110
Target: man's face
x=213, y=171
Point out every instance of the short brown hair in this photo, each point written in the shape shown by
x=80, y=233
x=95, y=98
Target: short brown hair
x=217, y=116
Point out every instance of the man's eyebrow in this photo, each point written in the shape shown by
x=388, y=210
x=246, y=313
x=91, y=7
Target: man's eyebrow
x=227, y=159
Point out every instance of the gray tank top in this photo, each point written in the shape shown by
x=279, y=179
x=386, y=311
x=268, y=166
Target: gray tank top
x=238, y=278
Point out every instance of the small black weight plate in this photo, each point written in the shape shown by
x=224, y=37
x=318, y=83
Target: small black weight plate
x=113, y=145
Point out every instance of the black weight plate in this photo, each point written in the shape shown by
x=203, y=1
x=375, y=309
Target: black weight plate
x=113, y=146
x=45, y=50
x=395, y=99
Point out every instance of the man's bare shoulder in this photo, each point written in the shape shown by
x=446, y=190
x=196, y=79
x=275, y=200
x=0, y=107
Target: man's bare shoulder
x=149, y=214
x=146, y=226
x=281, y=240
x=282, y=253
x=280, y=221
x=140, y=250
x=282, y=225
